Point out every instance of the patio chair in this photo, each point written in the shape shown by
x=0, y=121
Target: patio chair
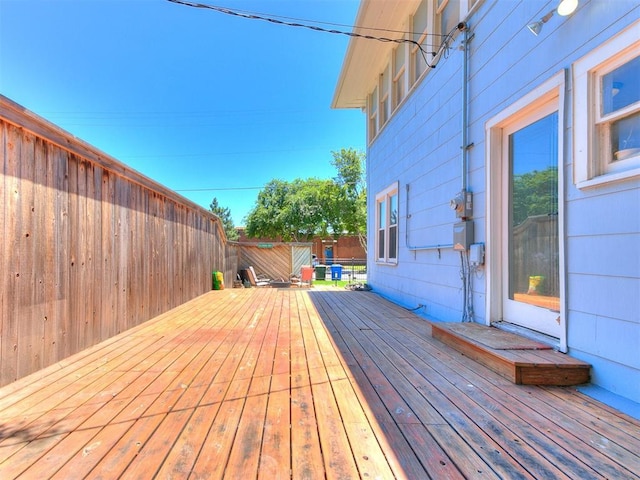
x=257, y=281
x=306, y=275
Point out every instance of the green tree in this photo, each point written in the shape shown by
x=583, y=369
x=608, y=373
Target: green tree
x=224, y=214
x=303, y=208
x=266, y=219
x=294, y=211
x=535, y=193
x=351, y=180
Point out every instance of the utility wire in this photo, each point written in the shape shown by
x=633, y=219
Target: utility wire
x=443, y=46
x=274, y=18
x=216, y=189
x=319, y=22
x=212, y=189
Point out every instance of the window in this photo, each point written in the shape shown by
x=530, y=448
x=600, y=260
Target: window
x=409, y=62
x=421, y=28
x=384, y=96
x=372, y=108
x=618, y=119
x=387, y=225
x=607, y=112
x=466, y=6
x=399, y=75
x=448, y=15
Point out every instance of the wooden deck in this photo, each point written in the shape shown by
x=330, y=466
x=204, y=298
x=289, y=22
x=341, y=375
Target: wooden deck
x=288, y=383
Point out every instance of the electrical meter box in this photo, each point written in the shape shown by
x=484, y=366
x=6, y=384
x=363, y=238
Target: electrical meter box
x=462, y=235
x=462, y=204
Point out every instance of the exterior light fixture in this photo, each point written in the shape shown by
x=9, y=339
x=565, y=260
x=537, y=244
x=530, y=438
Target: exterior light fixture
x=535, y=27
x=566, y=7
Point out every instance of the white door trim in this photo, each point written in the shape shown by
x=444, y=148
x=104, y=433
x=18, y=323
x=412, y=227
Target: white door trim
x=552, y=89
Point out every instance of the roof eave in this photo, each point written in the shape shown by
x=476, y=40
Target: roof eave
x=365, y=58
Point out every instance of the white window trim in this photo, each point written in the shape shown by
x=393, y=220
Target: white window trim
x=588, y=170
x=440, y=6
x=468, y=6
x=372, y=114
x=385, y=195
x=384, y=94
x=399, y=78
x=428, y=29
x=552, y=89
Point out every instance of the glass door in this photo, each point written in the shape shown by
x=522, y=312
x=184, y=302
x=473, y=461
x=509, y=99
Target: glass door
x=531, y=278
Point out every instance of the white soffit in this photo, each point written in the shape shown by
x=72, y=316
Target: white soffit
x=365, y=58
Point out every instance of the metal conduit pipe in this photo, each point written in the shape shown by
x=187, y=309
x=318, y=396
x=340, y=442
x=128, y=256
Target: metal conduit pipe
x=463, y=27
x=406, y=236
x=465, y=104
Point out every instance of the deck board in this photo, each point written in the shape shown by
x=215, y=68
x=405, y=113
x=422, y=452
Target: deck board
x=284, y=383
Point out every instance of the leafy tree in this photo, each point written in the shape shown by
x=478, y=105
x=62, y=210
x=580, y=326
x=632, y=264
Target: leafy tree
x=350, y=165
x=266, y=219
x=224, y=214
x=298, y=210
x=535, y=193
x=295, y=210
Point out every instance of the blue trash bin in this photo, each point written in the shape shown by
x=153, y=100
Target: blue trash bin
x=336, y=272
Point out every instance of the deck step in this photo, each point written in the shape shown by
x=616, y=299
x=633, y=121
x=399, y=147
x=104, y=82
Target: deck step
x=521, y=360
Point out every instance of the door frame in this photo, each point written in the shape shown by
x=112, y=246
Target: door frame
x=551, y=90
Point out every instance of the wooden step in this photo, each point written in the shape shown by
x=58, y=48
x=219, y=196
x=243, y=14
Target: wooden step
x=521, y=360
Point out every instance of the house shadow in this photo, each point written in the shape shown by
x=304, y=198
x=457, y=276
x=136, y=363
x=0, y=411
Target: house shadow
x=367, y=332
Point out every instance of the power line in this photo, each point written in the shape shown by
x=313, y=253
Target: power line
x=272, y=19
x=226, y=153
x=213, y=119
x=216, y=189
x=265, y=16
x=213, y=189
x=173, y=113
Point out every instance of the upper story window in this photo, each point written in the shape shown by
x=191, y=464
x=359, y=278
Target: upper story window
x=385, y=99
x=387, y=225
x=421, y=28
x=399, y=69
x=448, y=15
x=471, y=3
x=372, y=109
x=607, y=111
x=409, y=62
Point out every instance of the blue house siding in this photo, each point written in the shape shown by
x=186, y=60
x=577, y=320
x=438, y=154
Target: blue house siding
x=420, y=148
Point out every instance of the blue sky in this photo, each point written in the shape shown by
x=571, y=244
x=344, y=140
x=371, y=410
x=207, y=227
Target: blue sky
x=193, y=98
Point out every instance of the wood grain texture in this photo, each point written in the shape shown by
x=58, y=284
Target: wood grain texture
x=523, y=367
x=90, y=248
x=289, y=383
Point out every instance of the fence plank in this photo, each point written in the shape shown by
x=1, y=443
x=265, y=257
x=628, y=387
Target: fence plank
x=12, y=228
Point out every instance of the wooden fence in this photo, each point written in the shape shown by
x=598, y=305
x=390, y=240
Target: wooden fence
x=535, y=254
x=90, y=248
x=275, y=260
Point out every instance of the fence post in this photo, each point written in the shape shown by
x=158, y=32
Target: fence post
x=352, y=274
